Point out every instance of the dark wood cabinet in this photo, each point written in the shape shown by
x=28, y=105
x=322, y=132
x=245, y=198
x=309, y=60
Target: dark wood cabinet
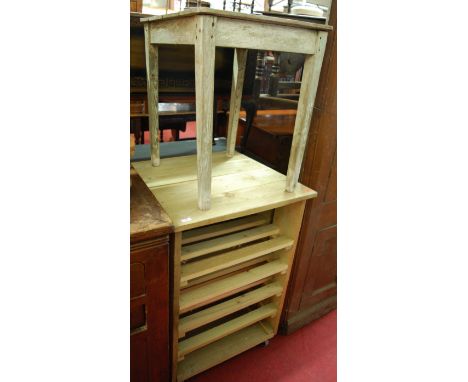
x=149, y=286
x=312, y=289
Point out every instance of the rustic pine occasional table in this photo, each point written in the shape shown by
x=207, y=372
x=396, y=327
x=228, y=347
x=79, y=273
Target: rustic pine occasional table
x=236, y=221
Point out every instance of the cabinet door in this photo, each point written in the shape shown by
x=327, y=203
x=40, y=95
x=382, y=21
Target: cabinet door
x=149, y=313
x=312, y=290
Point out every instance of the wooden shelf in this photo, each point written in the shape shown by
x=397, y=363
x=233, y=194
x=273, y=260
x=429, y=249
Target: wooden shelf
x=224, y=228
x=218, y=311
x=216, y=290
x=220, y=351
x=229, y=241
x=228, y=259
x=231, y=271
x=211, y=335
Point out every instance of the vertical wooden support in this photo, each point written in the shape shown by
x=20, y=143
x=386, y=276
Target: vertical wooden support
x=238, y=73
x=289, y=221
x=152, y=78
x=204, y=92
x=310, y=79
x=175, y=302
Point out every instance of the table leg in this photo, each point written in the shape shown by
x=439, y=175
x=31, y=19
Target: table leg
x=204, y=92
x=238, y=73
x=309, y=83
x=152, y=77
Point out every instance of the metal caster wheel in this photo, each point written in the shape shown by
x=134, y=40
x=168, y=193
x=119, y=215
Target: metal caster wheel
x=265, y=343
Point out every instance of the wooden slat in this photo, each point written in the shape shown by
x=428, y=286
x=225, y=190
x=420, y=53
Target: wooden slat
x=224, y=228
x=227, y=272
x=238, y=72
x=206, y=294
x=220, y=351
x=216, y=276
x=200, y=340
x=215, y=263
x=216, y=312
x=244, y=192
x=182, y=169
x=204, y=93
x=229, y=241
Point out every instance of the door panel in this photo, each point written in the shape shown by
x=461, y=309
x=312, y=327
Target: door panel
x=312, y=289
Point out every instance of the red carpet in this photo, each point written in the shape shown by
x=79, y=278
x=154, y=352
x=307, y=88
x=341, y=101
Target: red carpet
x=307, y=355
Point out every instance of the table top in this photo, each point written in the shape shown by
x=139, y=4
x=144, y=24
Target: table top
x=239, y=16
x=240, y=186
x=147, y=218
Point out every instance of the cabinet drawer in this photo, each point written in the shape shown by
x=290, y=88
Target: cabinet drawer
x=137, y=280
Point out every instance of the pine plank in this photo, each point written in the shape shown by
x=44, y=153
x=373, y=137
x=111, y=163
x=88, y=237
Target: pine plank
x=216, y=290
x=229, y=241
x=218, y=311
x=216, y=276
x=205, y=338
x=215, y=263
x=184, y=168
x=220, y=351
x=224, y=228
x=240, y=186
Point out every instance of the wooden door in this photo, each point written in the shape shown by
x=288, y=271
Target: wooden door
x=312, y=289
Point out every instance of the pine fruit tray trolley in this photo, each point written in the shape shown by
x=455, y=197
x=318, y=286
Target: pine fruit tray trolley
x=236, y=221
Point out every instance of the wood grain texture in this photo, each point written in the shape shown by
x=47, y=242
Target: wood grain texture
x=204, y=90
x=231, y=271
x=152, y=78
x=224, y=228
x=241, y=186
x=234, y=33
x=211, y=335
x=177, y=244
x=223, y=309
x=238, y=73
x=312, y=290
x=147, y=218
x=310, y=79
x=260, y=19
x=181, y=31
x=209, y=293
x=222, y=350
x=289, y=220
x=228, y=241
x=149, y=286
x=225, y=260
